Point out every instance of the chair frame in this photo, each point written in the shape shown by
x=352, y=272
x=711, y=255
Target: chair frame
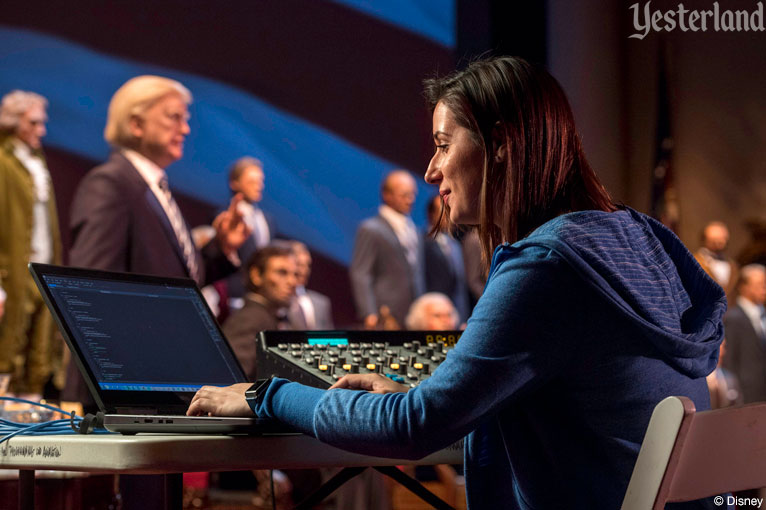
x=688, y=455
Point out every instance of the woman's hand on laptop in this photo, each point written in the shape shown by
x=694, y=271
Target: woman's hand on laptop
x=217, y=401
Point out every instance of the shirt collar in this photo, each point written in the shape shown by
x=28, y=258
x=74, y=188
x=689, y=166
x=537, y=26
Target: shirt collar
x=148, y=169
x=22, y=150
x=395, y=218
x=751, y=309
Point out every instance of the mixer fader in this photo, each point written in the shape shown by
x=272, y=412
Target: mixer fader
x=319, y=358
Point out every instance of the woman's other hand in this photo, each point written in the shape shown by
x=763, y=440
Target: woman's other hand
x=374, y=383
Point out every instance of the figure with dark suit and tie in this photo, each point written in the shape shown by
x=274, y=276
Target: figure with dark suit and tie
x=745, y=328
x=445, y=268
x=124, y=216
x=309, y=310
x=246, y=177
x=387, y=268
x=272, y=276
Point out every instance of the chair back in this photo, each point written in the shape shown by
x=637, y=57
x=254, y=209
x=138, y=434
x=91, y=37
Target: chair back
x=688, y=455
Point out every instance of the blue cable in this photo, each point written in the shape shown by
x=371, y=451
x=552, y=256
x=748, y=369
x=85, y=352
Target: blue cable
x=9, y=429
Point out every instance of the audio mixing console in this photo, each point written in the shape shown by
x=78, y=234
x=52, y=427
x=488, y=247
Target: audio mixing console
x=319, y=358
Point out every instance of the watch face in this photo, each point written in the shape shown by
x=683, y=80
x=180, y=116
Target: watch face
x=257, y=389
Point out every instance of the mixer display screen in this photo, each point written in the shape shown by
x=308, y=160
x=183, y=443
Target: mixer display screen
x=327, y=341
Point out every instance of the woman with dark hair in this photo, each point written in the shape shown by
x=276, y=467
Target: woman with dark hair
x=591, y=315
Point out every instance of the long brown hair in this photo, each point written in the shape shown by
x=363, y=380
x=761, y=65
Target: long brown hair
x=545, y=173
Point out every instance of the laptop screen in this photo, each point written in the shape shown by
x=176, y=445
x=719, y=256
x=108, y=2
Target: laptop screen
x=139, y=334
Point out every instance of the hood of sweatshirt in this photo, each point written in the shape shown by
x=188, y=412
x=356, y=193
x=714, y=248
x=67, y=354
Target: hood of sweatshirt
x=649, y=274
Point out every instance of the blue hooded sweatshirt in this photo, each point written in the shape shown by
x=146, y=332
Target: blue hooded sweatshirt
x=583, y=327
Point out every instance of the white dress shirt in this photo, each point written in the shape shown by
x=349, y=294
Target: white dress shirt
x=405, y=231
x=256, y=221
x=41, y=243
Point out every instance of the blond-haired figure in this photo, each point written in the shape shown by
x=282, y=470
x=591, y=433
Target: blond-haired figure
x=432, y=311
x=30, y=233
x=124, y=216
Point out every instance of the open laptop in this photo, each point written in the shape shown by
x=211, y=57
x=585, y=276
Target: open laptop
x=144, y=345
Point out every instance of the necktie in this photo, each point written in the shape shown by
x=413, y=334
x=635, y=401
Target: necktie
x=182, y=233
x=411, y=243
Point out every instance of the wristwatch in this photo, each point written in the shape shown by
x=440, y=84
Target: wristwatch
x=254, y=394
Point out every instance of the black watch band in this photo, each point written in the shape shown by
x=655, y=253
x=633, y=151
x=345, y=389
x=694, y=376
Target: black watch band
x=254, y=394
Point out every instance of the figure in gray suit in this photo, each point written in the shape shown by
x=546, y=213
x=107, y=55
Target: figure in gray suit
x=745, y=326
x=309, y=309
x=387, y=266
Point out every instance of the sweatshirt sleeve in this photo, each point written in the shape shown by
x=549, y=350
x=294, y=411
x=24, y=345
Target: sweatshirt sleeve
x=519, y=336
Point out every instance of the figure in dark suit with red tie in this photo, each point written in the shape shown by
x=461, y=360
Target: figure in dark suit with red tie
x=124, y=217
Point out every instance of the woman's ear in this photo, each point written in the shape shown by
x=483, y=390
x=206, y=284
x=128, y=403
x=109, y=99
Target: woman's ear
x=499, y=143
